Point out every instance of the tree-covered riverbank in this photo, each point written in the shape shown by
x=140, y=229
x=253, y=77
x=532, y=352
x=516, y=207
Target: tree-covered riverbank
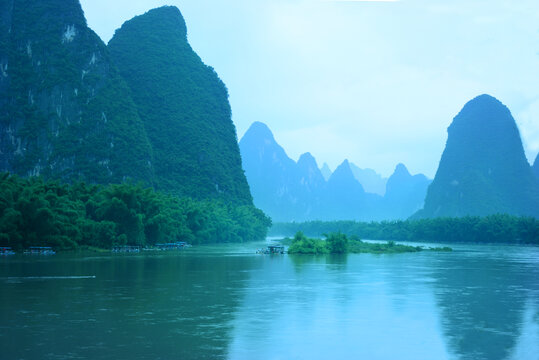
x=338, y=243
x=35, y=212
x=489, y=229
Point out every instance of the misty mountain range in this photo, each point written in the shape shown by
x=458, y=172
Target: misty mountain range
x=483, y=171
x=298, y=191
x=145, y=108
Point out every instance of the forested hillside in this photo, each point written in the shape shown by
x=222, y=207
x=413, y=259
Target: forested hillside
x=146, y=112
x=184, y=107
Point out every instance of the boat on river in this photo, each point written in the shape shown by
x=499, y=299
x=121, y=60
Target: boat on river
x=125, y=249
x=39, y=250
x=179, y=245
x=272, y=249
x=6, y=250
x=172, y=246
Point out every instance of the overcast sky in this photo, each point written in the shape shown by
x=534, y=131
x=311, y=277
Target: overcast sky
x=377, y=82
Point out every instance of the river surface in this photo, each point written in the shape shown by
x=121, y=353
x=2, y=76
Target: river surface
x=226, y=302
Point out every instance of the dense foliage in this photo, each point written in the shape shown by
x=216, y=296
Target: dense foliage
x=489, y=229
x=184, y=106
x=339, y=243
x=34, y=212
x=304, y=245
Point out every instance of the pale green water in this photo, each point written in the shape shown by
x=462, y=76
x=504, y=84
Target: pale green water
x=225, y=302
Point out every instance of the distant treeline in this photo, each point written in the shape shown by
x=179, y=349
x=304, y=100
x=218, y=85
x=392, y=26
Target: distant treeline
x=489, y=229
x=35, y=212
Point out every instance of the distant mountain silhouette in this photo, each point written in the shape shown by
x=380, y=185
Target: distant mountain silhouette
x=371, y=181
x=272, y=176
x=290, y=191
x=311, y=176
x=312, y=186
x=536, y=167
x=326, y=171
x=405, y=193
x=483, y=169
x=344, y=198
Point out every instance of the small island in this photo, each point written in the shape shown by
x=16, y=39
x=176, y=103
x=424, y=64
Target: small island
x=338, y=243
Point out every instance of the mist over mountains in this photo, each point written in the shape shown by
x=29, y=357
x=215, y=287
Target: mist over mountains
x=483, y=171
x=371, y=181
x=146, y=109
x=298, y=191
x=326, y=171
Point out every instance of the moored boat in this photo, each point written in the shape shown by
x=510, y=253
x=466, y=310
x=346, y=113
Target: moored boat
x=125, y=249
x=272, y=249
x=172, y=246
x=6, y=250
x=39, y=250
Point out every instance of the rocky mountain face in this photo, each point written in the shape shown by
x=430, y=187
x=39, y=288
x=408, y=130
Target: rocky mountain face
x=483, y=169
x=184, y=108
x=65, y=111
x=290, y=191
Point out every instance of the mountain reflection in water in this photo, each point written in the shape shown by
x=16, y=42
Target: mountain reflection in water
x=477, y=302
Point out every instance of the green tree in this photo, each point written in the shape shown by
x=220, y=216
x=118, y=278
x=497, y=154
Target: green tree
x=337, y=243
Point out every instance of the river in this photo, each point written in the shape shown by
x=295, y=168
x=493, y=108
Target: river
x=226, y=302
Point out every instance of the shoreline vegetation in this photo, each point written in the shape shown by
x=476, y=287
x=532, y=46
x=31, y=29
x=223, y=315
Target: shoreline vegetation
x=492, y=229
x=339, y=243
x=36, y=212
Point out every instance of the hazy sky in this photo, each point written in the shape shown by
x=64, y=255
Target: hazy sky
x=377, y=82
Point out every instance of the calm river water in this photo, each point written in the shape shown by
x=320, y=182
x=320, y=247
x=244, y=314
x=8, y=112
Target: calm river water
x=226, y=302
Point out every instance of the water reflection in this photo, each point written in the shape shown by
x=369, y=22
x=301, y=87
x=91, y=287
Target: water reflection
x=527, y=346
x=474, y=303
x=227, y=302
x=483, y=298
x=135, y=307
x=335, y=308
